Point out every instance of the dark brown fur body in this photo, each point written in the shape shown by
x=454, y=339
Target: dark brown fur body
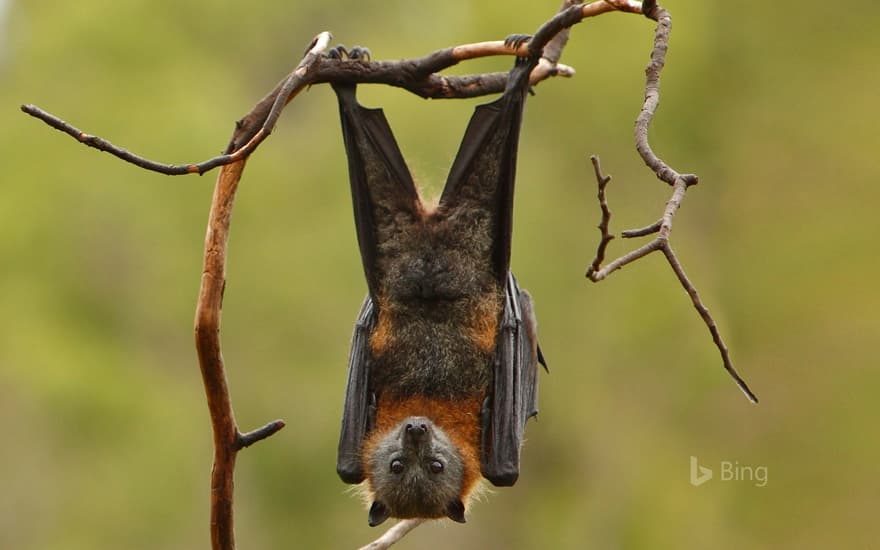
x=438, y=306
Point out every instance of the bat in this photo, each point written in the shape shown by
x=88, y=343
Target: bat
x=442, y=372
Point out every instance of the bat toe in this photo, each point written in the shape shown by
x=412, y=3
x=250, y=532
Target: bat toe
x=516, y=40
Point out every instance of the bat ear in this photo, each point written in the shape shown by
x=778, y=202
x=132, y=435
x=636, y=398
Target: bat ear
x=455, y=510
x=378, y=513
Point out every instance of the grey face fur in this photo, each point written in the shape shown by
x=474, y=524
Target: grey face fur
x=416, y=471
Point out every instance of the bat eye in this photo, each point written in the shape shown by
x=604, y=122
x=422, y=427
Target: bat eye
x=436, y=466
x=397, y=466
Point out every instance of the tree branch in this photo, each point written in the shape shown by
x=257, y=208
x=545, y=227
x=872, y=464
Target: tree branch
x=394, y=534
x=418, y=76
x=207, y=334
x=679, y=182
x=249, y=438
x=227, y=438
x=644, y=231
x=606, y=218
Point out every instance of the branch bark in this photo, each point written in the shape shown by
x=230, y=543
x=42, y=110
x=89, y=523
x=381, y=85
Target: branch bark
x=228, y=440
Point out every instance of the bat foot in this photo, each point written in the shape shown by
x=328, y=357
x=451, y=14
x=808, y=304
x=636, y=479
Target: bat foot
x=514, y=41
x=357, y=53
x=337, y=52
x=360, y=52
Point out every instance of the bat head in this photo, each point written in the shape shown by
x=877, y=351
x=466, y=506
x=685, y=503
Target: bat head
x=415, y=470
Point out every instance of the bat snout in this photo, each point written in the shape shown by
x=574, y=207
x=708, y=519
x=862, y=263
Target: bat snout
x=416, y=428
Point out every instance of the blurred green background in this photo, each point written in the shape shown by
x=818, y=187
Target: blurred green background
x=107, y=438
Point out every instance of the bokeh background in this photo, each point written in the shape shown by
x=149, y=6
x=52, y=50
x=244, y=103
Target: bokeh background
x=106, y=435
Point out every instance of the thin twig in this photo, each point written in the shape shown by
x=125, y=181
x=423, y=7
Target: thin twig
x=709, y=321
x=104, y=145
x=642, y=232
x=652, y=93
x=606, y=218
x=290, y=87
x=679, y=182
x=394, y=534
x=597, y=275
x=243, y=440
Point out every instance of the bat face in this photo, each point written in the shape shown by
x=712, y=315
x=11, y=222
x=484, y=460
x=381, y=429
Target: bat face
x=415, y=470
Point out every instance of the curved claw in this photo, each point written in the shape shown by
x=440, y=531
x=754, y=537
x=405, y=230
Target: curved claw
x=360, y=52
x=337, y=52
x=516, y=40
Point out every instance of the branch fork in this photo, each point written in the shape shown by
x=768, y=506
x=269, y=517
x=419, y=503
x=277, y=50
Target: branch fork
x=680, y=184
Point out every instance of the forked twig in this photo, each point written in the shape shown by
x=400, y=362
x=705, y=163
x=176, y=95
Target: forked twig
x=679, y=183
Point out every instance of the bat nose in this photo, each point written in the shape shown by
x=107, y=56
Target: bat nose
x=416, y=427
x=416, y=430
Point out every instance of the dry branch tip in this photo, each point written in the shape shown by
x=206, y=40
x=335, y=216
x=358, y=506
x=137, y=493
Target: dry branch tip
x=243, y=440
x=603, y=181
